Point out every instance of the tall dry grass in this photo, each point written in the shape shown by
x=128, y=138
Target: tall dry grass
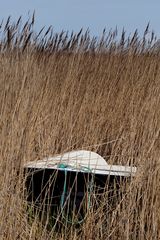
x=60, y=92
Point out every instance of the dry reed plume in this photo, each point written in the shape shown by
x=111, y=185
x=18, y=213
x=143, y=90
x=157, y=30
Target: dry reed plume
x=64, y=91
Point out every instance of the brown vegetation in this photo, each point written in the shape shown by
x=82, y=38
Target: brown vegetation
x=60, y=92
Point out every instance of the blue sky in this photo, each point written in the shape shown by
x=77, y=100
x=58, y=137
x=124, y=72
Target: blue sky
x=95, y=14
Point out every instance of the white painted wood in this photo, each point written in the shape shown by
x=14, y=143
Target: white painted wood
x=82, y=161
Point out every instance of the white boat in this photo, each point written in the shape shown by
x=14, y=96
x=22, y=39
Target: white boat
x=67, y=181
x=82, y=161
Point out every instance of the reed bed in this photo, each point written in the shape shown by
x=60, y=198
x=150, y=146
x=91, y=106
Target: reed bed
x=67, y=91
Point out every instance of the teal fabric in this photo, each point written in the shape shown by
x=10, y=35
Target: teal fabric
x=62, y=201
